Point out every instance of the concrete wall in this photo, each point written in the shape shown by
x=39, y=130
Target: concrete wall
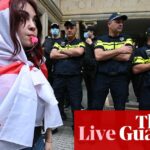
x=57, y=2
x=69, y=7
x=91, y=10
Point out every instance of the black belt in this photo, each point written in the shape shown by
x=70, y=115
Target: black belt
x=112, y=73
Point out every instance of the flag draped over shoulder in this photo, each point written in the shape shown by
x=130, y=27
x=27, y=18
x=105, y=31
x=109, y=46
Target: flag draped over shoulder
x=21, y=89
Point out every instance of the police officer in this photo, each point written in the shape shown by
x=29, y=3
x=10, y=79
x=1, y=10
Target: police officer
x=67, y=67
x=48, y=45
x=141, y=69
x=112, y=52
x=89, y=62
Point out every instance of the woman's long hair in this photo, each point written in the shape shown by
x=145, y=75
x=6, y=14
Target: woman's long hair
x=18, y=16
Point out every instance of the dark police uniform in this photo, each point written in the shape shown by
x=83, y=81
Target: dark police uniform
x=112, y=74
x=142, y=56
x=48, y=46
x=89, y=69
x=67, y=75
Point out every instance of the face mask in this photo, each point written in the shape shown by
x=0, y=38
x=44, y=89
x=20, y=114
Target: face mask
x=55, y=31
x=86, y=35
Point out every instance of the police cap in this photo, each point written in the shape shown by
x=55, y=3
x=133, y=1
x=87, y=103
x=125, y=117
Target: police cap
x=116, y=16
x=70, y=23
x=91, y=28
x=54, y=25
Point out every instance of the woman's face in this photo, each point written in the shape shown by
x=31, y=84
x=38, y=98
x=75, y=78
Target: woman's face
x=28, y=29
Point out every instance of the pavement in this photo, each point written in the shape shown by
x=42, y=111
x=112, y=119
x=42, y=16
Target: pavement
x=64, y=139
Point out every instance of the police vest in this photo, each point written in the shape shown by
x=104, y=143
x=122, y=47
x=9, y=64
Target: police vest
x=142, y=56
x=72, y=65
x=108, y=43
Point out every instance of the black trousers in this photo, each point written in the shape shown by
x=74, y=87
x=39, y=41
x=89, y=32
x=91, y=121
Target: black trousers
x=118, y=87
x=89, y=83
x=71, y=84
x=144, y=98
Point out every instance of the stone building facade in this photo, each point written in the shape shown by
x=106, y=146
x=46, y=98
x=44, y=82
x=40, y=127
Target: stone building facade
x=96, y=12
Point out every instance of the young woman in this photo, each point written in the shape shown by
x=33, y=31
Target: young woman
x=26, y=98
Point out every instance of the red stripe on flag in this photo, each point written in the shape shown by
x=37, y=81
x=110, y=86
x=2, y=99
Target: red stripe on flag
x=4, y=4
x=13, y=68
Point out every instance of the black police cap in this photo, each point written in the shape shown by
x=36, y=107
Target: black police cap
x=91, y=28
x=70, y=23
x=54, y=25
x=116, y=16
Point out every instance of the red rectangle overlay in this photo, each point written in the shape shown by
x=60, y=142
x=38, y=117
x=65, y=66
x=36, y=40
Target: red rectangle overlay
x=112, y=130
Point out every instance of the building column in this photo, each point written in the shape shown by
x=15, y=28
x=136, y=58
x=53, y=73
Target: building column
x=78, y=30
x=44, y=21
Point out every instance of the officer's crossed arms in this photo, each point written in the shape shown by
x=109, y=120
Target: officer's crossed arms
x=140, y=65
x=59, y=52
x=74, y=51
x=128, y=48
x=56, y=54
x=121, y=54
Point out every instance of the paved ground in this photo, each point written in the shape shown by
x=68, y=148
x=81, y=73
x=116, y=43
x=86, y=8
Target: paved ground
x=64, y=140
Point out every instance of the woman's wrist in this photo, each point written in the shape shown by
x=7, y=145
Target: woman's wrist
x=48, y=136
x=49, y=141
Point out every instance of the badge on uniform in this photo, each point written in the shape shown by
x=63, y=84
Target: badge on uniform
x=63, y=44
x=121, y=38
x=148, y=53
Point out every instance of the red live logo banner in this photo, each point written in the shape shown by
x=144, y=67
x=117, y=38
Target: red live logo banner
x=112, y=130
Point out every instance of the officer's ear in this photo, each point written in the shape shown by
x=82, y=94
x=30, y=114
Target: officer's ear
x=108, y=23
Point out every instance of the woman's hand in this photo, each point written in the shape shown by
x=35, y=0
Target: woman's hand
x=48, y=146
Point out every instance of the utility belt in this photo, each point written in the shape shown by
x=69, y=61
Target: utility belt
x=113, y=73
x=66, y=75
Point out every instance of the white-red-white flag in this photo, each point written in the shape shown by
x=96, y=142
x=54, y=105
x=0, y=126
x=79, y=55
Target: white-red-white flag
x=23, y=88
